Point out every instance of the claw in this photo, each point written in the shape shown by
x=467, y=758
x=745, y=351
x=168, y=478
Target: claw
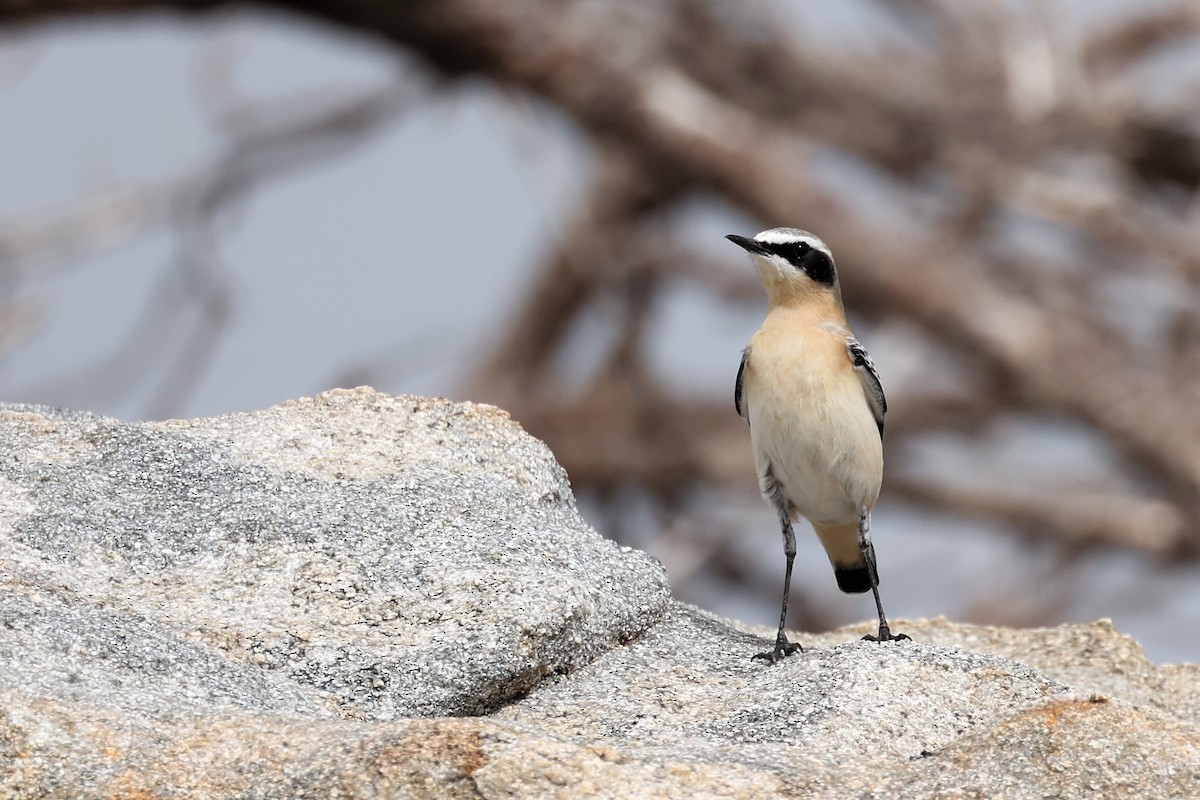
x=783, y=649
x=885, y=635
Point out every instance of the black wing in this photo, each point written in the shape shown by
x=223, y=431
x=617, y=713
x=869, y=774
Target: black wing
x=737, y=387
x=870, y=381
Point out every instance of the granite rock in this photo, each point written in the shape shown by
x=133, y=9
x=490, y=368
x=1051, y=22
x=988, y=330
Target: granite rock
x=363, y=596
x=353, y=555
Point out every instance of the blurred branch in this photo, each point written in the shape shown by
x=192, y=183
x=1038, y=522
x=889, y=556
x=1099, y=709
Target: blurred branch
x=1079, y=518
x=1117, y=47
x=291, y=137
x=583, y=262
x=267, y=141
x=34, y=244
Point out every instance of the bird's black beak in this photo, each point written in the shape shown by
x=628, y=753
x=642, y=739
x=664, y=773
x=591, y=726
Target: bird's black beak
x=749, y=245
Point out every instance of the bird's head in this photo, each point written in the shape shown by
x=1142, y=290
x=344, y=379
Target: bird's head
x=792, y=264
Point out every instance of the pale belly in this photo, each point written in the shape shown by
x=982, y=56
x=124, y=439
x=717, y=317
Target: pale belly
x=826, y=457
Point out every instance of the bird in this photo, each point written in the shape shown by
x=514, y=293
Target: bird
x=815, y=407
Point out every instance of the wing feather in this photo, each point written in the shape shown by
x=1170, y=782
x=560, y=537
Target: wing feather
x=737, y=387
x=872, y=388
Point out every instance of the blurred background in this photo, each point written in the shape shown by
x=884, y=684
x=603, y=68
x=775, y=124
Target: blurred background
x=211, y=206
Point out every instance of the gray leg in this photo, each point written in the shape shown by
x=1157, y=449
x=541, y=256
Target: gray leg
x=784, y=648
x=868, y=552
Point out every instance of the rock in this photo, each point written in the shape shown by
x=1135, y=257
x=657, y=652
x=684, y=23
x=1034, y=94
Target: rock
x=365, y=596
x=359, y=555
x=952, y=711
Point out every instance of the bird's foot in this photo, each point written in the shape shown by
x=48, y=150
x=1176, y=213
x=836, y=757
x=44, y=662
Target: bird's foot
x=783, y=649
x=886, y=635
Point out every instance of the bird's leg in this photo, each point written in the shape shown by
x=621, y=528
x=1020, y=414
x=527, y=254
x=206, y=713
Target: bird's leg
x=868, y=551
x=784, y=648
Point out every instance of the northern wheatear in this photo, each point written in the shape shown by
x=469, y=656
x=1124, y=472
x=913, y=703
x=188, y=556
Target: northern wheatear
x=815, y=407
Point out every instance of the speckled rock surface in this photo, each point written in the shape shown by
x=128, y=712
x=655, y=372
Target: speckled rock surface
x=309, y=601
x=961, y=711
x=353, y=555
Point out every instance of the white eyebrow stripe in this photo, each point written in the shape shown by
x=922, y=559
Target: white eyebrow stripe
x=787, y=235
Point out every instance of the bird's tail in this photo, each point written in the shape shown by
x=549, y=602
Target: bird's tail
x=849, y=567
